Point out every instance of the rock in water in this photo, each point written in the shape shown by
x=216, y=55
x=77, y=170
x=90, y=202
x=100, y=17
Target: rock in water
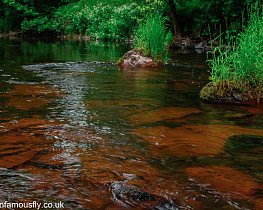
x=135, y=58
x=230, y=94
x=124, y=191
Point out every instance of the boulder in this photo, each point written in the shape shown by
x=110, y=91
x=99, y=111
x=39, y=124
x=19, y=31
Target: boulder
x=135, y=58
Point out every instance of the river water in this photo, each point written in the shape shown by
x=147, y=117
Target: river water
x=78, y=130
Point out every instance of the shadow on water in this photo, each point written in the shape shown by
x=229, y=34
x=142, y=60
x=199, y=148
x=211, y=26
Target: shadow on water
x=96, y=136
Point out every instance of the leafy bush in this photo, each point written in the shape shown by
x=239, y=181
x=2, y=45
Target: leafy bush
x=28, y=13
x=39, y=24
x=188, y=12
x=242, y=66
x=225, y=15
x=98, y=21
x=115, y=19
x=4, y=25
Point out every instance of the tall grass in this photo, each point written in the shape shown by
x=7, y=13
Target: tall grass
x=241, y=67
x=151, y=37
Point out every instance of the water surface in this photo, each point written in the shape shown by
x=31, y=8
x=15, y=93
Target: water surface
x=75, y=128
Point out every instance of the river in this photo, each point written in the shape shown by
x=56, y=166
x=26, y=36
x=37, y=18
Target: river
x=76, y=129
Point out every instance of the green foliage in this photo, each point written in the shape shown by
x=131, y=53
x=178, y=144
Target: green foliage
x=98, y=21
x=194, y=16
x=4, y=25
x=151, y=36
x=39, y=24
x=27, y=12
x=221, y=14
x=187, y=13
x=169, y=39
x=242, y=65
x=117, y=19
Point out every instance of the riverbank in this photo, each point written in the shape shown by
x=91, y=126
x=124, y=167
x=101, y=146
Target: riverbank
x=200, y=45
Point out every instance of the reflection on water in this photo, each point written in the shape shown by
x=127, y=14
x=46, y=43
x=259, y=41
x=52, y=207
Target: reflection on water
x=97, y=136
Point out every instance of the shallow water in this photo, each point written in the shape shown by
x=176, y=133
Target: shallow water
x=96, y=136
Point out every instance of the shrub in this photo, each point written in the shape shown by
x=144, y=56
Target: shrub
x=99, y=21
x=39, y=24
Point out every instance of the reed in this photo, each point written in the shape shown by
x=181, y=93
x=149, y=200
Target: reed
x=241, y=67
x=151, y=37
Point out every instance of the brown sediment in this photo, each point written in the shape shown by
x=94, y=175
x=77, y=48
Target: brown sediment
x=258, y=204
x=142, y=74
x=56, y=169
x=76, y=135
x=132, y=106
x=12, y=161
x=192, y=140
x=10, y=149
x=21, y=140
x=53, y=173
x=145, y=86
x=33, y=90
x=51, y=158
x=27, y=96
x=161, y=114
x=145, y=72
x=109, y=166
x=92, y=104
x=17, y=148
x=98, y=169
x=236, y=115
x=6, y=119
x=47, y=180
x=180, y=86
x=216, y=121
x=37, y=124
x=27, y=103
x=180, y=120
x=226, y=180
x=253, y=109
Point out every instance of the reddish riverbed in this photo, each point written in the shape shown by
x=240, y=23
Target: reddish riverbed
x=96, y=136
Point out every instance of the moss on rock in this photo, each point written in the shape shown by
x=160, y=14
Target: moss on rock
x=208, y=92
x=228, y=92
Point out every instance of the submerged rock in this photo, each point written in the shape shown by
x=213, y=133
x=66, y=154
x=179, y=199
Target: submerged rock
x=230, y=94
x=122, y=190
x=162, y=114
x=191, y=140
x=130, y=195
x=246, y=152
x=135, y=58
x=235, y=183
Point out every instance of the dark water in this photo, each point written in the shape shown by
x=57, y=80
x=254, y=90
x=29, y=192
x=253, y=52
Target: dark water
x=96, y=136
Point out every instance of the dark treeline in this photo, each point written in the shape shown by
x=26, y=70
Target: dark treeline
x=113, y=19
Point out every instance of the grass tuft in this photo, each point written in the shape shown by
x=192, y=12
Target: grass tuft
x=242, y=65
x=152, y=38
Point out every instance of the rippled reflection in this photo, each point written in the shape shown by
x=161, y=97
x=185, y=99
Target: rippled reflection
x=96, y=136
